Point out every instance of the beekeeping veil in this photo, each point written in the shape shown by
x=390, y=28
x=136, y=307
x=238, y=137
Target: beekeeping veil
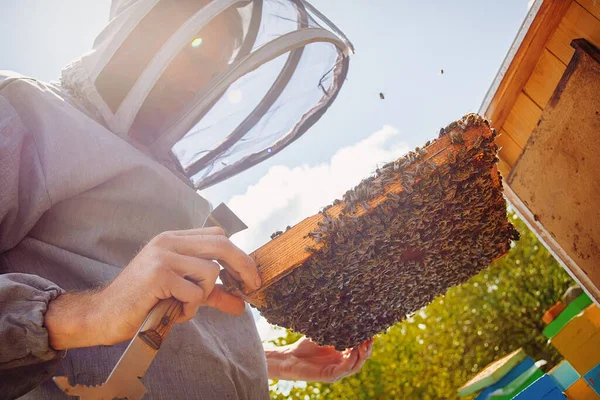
x=216, y=86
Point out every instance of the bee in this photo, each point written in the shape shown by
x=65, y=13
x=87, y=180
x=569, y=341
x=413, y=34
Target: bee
x=451, y=126
x=451, y=157
x=311, y=249
x=276, y=234
x=456, y=138
x=393, y=196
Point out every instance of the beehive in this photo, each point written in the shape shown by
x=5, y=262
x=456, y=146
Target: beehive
x=580, y=390
x=421, y=224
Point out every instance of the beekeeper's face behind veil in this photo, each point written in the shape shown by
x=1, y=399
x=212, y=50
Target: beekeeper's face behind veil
x=211, y=87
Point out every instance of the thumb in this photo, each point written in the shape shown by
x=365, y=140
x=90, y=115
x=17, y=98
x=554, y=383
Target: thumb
x=226, y=302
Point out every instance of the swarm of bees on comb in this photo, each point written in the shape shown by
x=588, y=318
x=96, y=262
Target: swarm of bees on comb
x=372, y=270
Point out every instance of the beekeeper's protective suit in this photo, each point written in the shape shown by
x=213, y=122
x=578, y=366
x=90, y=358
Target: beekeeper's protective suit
x=176, y=95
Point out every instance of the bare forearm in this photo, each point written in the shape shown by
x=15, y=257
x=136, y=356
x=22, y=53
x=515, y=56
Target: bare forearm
x=70, y=321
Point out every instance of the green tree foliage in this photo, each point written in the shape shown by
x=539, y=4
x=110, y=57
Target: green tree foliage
x=435, y=351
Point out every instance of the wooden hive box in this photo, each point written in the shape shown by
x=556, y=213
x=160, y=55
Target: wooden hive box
x=543, y=103
x=580, y=390
x=544, y=388
x=495, y=372
x=578, y=330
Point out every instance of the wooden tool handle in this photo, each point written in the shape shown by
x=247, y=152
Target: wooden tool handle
x=159, y=322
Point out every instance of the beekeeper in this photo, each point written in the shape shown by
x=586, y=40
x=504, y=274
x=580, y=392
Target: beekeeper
x=99, y=212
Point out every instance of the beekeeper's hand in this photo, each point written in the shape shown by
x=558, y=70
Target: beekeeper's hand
x=307, y=361
x=174, y=264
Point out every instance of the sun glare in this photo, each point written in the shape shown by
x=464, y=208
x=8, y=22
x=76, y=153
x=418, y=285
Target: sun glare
x=196, y=42
x=234, y=96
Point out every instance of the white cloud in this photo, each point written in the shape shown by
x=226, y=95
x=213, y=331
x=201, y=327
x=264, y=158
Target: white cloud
x=266, y=331
x=285, y=196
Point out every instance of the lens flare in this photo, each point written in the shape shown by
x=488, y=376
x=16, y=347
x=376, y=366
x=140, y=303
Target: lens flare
x=234, y=96
x=196, y=42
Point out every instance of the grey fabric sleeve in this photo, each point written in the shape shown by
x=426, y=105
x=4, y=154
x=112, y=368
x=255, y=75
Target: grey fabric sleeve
x=23, y=193
x=24, y=300
x=26, y=358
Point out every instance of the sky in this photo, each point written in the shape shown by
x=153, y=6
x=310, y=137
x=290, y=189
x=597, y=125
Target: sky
x=401, y=48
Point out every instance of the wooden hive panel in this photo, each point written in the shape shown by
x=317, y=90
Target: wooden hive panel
x=545, y=77
x=509, y=152
x=591, y=6
x=525, y=60
x=522, y=119
x=577, y=23
x=527, y=83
